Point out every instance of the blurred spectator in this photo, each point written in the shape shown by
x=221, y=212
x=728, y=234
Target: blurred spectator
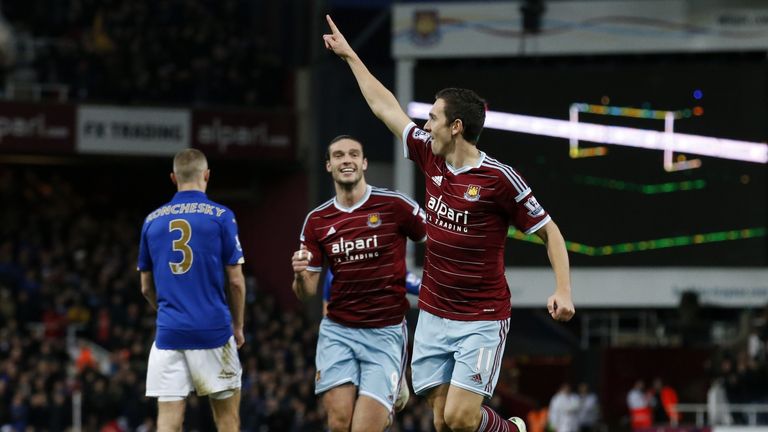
x=669, y=400
x=85, y=359
x=755, y=345
x=589, y=409
x=639, y=408
x=659, y=415
x=718, y=409
x=663, y=402
x=564, y=410
x=536, y=421
x=694, y=331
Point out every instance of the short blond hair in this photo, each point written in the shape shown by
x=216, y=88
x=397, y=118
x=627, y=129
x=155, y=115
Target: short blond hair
x=189, y=165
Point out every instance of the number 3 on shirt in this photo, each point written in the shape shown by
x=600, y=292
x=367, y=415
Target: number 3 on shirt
x=181, y=245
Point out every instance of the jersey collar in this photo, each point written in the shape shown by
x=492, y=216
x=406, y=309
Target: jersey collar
x=356, y=205
x=465, y=168
x=189, y=194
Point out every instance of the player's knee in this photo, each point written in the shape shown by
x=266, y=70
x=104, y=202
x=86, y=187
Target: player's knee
x=460, y=420
x=339, y=419
x=226, y=410
x=228, y=423
x=169, y=423
x=440, y=425
x=170, y=413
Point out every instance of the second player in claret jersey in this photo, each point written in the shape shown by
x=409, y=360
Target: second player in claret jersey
x=365, y=249
x=361, y=235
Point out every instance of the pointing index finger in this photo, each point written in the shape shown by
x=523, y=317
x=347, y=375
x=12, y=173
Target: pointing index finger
x=332, y=25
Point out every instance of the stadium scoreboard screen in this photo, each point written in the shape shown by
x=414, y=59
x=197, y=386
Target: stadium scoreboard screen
x=626, y=205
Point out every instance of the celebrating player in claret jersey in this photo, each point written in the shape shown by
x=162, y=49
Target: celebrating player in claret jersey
x=362, y=345
x=471, y=200
x=189, y=250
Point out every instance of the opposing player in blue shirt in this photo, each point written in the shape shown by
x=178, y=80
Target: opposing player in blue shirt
x=190, y=261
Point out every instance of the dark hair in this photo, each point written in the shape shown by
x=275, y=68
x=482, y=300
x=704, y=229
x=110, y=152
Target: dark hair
x=467, y=106
x=339, y=138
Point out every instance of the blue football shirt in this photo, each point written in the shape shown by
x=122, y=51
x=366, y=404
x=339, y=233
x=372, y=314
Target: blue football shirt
x=185, y=244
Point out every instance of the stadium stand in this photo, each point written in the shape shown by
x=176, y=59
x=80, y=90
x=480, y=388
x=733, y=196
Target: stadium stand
x=170, y=52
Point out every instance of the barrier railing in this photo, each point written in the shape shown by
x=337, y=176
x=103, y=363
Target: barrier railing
x=750, y=411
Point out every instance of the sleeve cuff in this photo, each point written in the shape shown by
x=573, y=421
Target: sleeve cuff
x=538, y=226
x=407, y=129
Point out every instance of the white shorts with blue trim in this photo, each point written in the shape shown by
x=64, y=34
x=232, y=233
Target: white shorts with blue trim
x=372, y=359
x=466, y=354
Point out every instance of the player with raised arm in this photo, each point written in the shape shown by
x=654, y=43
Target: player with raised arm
x=471, y=199
x=190, y=261
x=361, y=234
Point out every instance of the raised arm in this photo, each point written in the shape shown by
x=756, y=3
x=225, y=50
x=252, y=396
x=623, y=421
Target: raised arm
x=559, y=304
x=381, y=101
x=236, y=297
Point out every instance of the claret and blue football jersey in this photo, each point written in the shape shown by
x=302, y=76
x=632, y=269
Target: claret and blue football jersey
x=186, y=244
x=364, y=246
x=469, y=210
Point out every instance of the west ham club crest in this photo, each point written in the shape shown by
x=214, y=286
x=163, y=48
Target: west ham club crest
x=374, y=220
x=472, y=193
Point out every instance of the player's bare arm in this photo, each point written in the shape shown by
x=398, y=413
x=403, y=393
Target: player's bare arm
x=381, y=101
x=559, y=304
x=236, y=297
x=304, y=281
x=148, y=288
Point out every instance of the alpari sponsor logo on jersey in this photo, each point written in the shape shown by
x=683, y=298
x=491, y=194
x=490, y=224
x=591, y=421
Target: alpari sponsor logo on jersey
x=357, y=249
x=447, y=217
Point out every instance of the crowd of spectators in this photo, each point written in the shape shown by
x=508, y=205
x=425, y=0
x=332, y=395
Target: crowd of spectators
x=190, y=52
x=740, y=376
x=737, y=374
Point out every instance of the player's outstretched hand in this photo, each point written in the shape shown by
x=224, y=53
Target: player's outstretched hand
x=300, y=259
x=560, y=306
x=336, y=41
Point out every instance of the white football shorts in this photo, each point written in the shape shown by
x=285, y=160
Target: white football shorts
x=175, y=373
